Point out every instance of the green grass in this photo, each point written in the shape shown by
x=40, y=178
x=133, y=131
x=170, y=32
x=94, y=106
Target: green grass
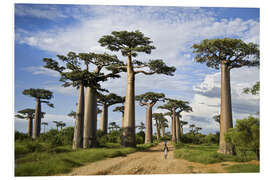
x=40, y=159
x=46, y=163
x=243, y=168
x=206, y=154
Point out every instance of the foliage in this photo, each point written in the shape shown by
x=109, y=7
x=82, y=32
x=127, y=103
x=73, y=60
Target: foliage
x=110, y=99
x=38, y=93
x=211, y=139
x=234, y=52
x=245, y=136
x=150, y=97
x=73, y=75
x=140, y=137
x=21, y=136
x=243, y=168
x=192, y=138
x=130, y=44
x=254, y=90
x=206, y=154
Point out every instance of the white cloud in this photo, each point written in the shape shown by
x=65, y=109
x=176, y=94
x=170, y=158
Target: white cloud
x=206, y=101
x=36, y=70
x=173, y=31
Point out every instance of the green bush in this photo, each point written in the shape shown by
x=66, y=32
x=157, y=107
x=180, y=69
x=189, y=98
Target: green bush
x=211, y=139
x=245, y=136
x=192, y=138
x=21, y=136
x=140, y=137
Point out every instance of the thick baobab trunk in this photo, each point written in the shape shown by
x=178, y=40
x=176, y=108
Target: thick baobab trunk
x=90, y=118
x=37, y=123
x=128, y=137
x=162, y=131
x=149, y=129
x=177, y=127
x=104, y=119
x=79, y=123
x=30, y=126
x=225, y=110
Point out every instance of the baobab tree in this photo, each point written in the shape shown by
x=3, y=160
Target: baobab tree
x=113, y=126
x=158, y=117
x=41, y=96
x=60, y=124
x=197, y=129
x=182, y=123
x=44, y=125
x=175, y=108
x=73, y=74
x=106, y=101
x=130, y=44
x=149, y=99
x=226, y=54
x=163, y=125
x=27, y=114
x=192, y=126
x=120, y=109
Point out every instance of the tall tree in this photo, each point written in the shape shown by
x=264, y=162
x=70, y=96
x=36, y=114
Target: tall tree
x=176, y=107
x=27, y=114
x=197, y=129
x=113, y=126
x=163, y=125
x=149, y=99
x=192, y=126
x=41, y=96
x=226, y=54
x=120, y=109
x=158, y=117
x=60, y=124
x=44, y=125
x=74, y=74
x=130, y=44
x=182, y=123
x=106, y=101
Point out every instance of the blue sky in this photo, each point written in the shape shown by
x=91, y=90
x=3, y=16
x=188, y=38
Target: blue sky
x=47, y=30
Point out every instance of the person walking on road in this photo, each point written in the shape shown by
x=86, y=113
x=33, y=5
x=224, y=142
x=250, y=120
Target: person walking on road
x=166, y=150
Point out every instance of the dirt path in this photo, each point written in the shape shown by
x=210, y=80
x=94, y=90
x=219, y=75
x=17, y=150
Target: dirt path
x=150, y=162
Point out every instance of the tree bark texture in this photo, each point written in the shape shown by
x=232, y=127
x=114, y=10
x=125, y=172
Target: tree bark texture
x=29, y=126
x=128, y=137
x=149, y=129
x=90, y=118
x=79, y=123
x=104, y=119
x=37, y=123
x=225, y=110
x=177, y=127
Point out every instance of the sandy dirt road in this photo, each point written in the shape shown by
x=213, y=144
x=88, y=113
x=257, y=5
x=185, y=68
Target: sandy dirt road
x=149, y=162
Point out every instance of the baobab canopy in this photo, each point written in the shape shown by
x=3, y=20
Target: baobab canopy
x=234, y=52
x=40, y=94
